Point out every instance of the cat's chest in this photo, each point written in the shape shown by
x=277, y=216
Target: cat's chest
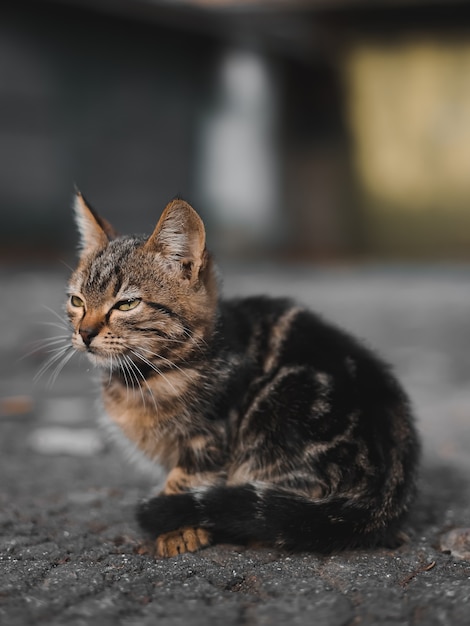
x=151, y=414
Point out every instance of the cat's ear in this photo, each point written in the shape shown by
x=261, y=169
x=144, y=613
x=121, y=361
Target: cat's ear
x=95, y=231
x=180, y=238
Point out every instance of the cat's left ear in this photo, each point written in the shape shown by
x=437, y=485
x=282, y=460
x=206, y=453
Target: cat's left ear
x=95, y=231
x=180, y=238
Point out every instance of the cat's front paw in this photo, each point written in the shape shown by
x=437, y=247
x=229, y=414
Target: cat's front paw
x=187, y=539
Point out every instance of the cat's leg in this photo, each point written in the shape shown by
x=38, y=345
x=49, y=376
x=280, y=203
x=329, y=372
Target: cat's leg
x=180, y=480
x=175, y=522
x=188, y=538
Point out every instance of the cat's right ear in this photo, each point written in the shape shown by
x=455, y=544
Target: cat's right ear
x=180, y=238
x=95, y=231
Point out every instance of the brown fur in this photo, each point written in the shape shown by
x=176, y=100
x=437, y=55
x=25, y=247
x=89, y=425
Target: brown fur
x=265, y=418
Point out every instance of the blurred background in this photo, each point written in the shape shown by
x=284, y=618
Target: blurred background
x=299, y=129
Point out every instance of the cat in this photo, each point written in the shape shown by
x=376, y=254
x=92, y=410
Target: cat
x=274, y=427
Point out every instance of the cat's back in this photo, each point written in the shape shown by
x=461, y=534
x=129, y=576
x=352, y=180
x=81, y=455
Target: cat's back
x=280, y=340
x=280, y=331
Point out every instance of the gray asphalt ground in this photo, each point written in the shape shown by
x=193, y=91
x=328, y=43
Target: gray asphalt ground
x=69, y=548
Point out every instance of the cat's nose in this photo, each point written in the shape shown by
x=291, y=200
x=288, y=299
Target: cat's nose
x=87, y=333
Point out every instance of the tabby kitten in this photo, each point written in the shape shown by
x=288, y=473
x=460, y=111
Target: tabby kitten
x=273, y=426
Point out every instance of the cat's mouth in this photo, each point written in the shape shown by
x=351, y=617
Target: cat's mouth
x=98, y=359
x=133, y=360
x=97, y=356
x=113, y=361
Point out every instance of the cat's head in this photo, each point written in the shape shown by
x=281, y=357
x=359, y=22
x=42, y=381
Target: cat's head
x=141, y=300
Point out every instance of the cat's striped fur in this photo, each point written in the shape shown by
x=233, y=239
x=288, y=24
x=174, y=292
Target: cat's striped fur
x=273, y=426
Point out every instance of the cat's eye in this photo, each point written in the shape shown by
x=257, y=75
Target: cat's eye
x=127, y=305
x=76, y=301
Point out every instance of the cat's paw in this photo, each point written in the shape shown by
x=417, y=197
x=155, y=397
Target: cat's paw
x=187, y=539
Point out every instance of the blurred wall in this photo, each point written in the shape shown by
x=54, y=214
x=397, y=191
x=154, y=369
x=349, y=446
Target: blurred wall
x=136, y=111
x=304, y=133
x=409, y=111
x=107, y=104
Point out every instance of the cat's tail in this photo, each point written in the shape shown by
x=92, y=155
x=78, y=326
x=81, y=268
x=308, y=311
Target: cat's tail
x=247, y=513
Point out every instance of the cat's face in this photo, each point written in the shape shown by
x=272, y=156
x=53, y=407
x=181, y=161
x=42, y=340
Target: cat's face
x=136, y=302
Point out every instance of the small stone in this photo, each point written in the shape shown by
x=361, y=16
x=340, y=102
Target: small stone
x=457, y=542
x=15, y=405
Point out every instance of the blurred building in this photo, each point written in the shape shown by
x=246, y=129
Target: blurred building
x=302, y=129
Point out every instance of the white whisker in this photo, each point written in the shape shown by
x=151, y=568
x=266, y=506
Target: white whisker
x=59, y=367
x=111, y=364
x=45, y=366
x=58, y=347
x=133, y=376
x=173, y=365
x=124, y=369
x=154, y=367
x=58, y=354
x=66, y=265
x=194, y=340
x=42, y=344
x=136, y=369
x=58, y=315
x=54, y=339
x=62, y=325
x=189, y=338
x=51, y=349
x=162, y=358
